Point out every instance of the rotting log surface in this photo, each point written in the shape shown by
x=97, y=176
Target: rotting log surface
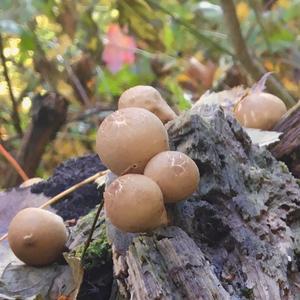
x=236, y=238
x=288, y=148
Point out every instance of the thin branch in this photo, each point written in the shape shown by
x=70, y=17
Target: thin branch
x=251, y=65
x=13, y=163
x=256, y=8
x=89, y=238
x=73, y=188
x=77, y=84
x=15, y=114
x=194, y=31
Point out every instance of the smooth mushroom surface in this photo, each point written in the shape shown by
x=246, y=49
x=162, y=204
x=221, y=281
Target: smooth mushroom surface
x=37, y=236
x=134, y=203
x=176, y=174
x=128, y=138
x=260, y=111
x=147, y=97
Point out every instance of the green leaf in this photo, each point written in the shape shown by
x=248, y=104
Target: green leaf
x=27, y=41
x=115, y=84
x=176, y=90
x=168, y=37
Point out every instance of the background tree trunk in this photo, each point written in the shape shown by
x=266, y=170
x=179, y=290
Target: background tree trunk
x=48, y=115
x=236, y=238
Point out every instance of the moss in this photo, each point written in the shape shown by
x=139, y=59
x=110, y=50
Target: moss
x=97, y=254
x=283, y=167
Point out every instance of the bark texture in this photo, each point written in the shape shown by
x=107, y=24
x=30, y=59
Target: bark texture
x=48, y=115
x=236, y=238
x=288, y=148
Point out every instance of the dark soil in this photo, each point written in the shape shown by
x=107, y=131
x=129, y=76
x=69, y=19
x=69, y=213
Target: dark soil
x=72, y=171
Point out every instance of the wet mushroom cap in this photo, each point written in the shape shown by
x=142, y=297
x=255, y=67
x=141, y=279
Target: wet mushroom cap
x=176, y=174
x=37, y=236
x=134, y=203
x=147, y=97
x=128, y=138
x=260, y=110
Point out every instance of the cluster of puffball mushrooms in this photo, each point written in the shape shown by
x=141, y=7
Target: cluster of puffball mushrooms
x=133, y=143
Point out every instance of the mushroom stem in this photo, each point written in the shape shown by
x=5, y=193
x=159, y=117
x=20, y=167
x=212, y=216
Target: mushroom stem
x=73, y=188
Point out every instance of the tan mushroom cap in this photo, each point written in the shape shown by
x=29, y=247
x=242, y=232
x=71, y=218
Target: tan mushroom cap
x=176, y=174
x=134, y=203
x=37, y=237
x=128, y=138
x=260, y=110
x=147, y=97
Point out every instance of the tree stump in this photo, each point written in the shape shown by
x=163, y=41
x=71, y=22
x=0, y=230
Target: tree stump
x=236, y=238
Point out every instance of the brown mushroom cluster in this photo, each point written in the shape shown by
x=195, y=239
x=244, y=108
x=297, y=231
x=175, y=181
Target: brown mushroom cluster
x=133, y=143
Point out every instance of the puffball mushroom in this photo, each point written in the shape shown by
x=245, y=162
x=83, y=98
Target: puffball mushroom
x=128, y=138
x=134, y=203
x=37, y=237
x=147, y=97
x=176, y=174
x=260, y=110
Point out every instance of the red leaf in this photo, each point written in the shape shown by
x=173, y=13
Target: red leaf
x=119, y=49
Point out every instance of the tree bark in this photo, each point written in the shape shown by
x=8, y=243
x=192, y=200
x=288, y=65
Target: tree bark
x=288, y=148
x=236, y=238
x=48, y=115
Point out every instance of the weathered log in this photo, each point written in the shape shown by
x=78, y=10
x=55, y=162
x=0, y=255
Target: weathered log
x=236, y=238
x=48, y=115
x=288, y=148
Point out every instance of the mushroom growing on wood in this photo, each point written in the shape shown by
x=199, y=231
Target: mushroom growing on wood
x=176, y=174
x=259, y=110
x=37, y=237
x=128, y=138
x=134, y=203
x=147, y=97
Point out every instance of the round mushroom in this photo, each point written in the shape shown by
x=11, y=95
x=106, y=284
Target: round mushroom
x=128, y=138
x=134, y=203
x=176, y=174
x=147, y=97
x=37, y=237
x=260, y=110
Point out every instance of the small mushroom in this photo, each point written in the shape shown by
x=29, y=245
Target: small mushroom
x=176, y=174
x=31, y=181
x=147, y=97
x=37, y=237
x=260, y=111
x=128, y=138
x=134, y=203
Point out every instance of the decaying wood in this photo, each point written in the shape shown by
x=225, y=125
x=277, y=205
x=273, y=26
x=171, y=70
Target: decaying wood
x=238, y=237
x=48, y=115
x=288, y=148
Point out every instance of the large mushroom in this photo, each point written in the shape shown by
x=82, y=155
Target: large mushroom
x=176, y=174
x=134, y=203
x=128, y=138
x=37, y=237
x=147, y=97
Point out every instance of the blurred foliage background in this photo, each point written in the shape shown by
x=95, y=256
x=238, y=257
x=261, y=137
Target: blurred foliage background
x=90, y=51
